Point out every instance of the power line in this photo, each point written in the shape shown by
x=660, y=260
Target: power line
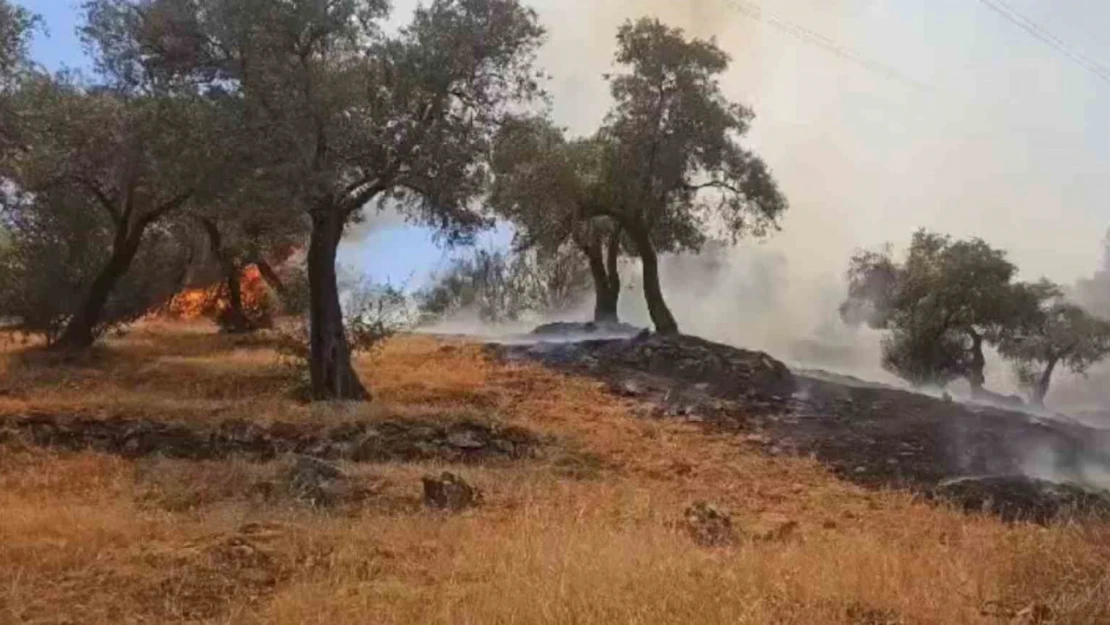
x=806, y=35
x=1016, y=18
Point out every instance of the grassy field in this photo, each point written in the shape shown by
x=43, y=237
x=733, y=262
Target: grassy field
x=89, y=538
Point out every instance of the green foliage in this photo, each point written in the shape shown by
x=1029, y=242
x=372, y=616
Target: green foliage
x=547, y=186
x=17, y=24
x=52, y=254
x=940, y=305
x=1055, y=334
x=16, y=27
x=677, y=168
x=374, y=313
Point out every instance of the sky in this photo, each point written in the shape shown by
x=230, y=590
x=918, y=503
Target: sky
x=985, y=131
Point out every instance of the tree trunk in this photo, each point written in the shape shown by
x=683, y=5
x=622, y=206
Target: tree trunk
x=613, y=293
x=233, y=320
x=80, y=332
x=660, y=315
x=236, y=320
x=1041, y=391
x=270, y=276
x=333, y=377
x=605, y=306
x=978, y=364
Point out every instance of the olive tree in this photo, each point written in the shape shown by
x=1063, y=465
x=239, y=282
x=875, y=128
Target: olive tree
x=56, y=242
x=674, y=165
x=250, y=226
x=1055, y=334
x=137, y=158
x=941, y=306
x=352, y=117
x=548, y=187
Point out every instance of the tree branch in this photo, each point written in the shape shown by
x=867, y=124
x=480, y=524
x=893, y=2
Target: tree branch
x=167, y=207
x=104, y=200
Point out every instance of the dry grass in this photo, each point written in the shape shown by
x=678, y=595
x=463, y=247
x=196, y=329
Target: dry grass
x=89, y=538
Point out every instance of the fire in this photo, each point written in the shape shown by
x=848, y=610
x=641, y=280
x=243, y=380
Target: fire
x=214, y=301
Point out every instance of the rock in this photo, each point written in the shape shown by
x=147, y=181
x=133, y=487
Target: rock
x=628, y=388
x=860, y=614
x=465, y=439
x=317, y=482
x=449, y=492
x=377, y=441
x=609, y=329
x=717, y=370
x=709, y=526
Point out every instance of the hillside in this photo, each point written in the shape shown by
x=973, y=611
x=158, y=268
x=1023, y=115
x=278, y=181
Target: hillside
x=191, y=504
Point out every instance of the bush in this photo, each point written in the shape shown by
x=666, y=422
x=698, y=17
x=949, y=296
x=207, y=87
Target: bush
x=373, y=314
x=504, y=287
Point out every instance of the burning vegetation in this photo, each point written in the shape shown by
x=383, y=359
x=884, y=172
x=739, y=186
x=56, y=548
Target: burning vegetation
x=215, y=302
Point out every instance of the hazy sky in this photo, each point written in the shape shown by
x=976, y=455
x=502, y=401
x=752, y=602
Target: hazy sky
x=1007, y=139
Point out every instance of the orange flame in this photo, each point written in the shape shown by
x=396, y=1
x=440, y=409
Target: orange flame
x=213, y=301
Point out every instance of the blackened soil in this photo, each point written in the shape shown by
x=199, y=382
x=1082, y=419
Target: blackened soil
x=1011, y=463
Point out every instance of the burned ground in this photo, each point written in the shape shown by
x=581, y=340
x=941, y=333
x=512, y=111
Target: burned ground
x=1014, y=463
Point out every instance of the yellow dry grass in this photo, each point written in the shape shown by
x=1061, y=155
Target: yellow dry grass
x=91, y=538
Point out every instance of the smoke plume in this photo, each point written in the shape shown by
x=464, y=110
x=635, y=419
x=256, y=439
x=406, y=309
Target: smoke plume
x=977, y=129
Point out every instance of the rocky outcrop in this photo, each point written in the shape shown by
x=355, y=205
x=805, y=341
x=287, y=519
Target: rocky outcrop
x=461, y=440
x=449, y=492
x=685, y=373
x=596, y=329
x=870, y=434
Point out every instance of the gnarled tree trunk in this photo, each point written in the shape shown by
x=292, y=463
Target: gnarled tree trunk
x=237, y=321
x=1041, y=390
x=605, y=297
x=606, y=277
x=333, y=377
x=977, y=366
x=661, y=316
x=80, y=332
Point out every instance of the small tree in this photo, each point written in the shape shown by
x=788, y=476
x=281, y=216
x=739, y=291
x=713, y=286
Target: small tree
x=136, y=158
x=549, y=187
x=1056, y=334
x=674, y=163
x=942, y=305
x=249, y=227
x=56, y=242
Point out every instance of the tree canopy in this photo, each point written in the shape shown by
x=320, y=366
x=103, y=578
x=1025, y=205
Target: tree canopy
x=676, y=170
x=1055, y=334
x=549, y=187
x=664, y=173
x=351, y=115
x=941, y=305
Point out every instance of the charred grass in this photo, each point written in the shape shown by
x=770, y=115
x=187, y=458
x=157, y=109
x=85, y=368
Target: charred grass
x=585, y=534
